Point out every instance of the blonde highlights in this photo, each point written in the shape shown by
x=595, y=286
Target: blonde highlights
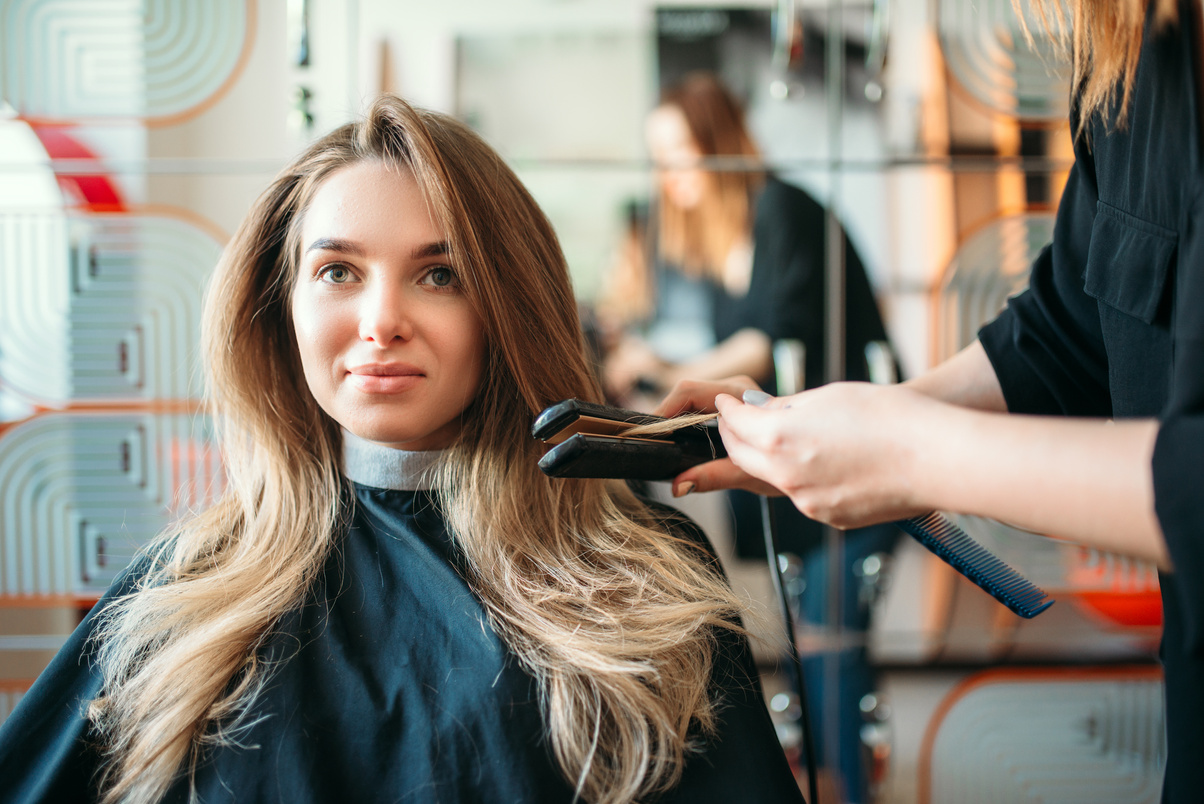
x=611, y=611
x=1105, y=37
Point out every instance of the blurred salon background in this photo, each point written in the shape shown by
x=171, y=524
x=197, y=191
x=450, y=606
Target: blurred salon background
x=931, y=136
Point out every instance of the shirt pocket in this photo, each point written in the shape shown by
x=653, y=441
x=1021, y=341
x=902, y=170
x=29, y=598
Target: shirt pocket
x=1128, y=262
x=1128, y=265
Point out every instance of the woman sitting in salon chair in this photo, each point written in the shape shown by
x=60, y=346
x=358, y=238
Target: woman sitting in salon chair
x=390, y=601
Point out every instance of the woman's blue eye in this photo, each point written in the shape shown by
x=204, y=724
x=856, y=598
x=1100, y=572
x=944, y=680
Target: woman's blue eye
x=337, y=274
x=442, y=277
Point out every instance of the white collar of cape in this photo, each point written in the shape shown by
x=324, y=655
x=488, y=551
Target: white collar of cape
x=367, y=463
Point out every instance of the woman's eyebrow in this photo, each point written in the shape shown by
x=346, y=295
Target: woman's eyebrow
x=336, y=244
x=342, y=246
x=431, y=250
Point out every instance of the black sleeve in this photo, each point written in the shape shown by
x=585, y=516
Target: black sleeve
x=786, y=294
x=1178, y=462
x=788, y=264
x=1047, y=347
x=47, y=749
x=788, y=290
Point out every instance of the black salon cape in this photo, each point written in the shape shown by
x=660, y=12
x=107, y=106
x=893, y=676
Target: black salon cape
x=390, y=686
x=1113, y=325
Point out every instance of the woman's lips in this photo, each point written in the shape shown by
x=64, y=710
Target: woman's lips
x=384, y=379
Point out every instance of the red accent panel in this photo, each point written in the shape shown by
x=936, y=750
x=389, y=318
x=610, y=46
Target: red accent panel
x=96, y=193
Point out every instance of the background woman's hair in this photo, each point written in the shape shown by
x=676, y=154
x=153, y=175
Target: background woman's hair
x=614, y=615
x=700, y=239
x=1105, y=37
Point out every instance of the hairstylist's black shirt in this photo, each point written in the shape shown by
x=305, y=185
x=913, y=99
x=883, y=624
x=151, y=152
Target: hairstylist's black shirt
x=1113, y=325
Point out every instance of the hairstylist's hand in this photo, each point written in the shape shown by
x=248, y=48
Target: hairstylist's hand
x=844, y=453
x=693, y=396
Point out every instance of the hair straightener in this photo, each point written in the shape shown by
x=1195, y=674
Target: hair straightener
x=588, y=441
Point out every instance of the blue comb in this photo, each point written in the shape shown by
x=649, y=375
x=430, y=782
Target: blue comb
x=953, y=546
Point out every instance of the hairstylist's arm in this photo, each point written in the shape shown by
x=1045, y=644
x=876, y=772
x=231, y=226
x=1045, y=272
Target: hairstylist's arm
x=853, y=454
x=965, y=379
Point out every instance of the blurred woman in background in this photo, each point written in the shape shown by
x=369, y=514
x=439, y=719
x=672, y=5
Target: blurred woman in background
x=756, y=243
x=757, y=247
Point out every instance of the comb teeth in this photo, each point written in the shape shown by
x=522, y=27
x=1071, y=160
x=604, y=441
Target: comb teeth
x=953, y=546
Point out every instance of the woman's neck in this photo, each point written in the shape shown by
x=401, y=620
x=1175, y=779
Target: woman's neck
x=368, y=463
x=737, y=270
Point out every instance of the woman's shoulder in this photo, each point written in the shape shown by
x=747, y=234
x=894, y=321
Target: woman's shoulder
x=47, y=744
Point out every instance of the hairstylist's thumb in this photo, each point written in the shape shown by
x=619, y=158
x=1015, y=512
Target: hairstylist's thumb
x=737, y=422
x=728, y=405
x=760, y=399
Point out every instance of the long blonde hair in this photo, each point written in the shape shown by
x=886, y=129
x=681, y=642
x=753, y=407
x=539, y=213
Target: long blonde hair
x=700, y=238
x=612, y=613
x=1105, y=37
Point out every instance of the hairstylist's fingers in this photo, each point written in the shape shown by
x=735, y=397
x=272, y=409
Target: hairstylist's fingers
x=760, y=399
x=696, y=396
x=758, y=418
x=726, y=403
x=748, y=456
x=720, y=474
x=747, y=421
x=756, y=398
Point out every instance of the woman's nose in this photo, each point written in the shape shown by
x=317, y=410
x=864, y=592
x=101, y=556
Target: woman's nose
x=383, y=316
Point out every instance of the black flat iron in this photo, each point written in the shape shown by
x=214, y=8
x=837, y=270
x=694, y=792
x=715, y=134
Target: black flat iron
x=589, y=440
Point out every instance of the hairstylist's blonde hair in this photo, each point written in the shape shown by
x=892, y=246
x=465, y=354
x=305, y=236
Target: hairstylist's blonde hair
x=613, y=615
x=699, y=239
x=1105, y=36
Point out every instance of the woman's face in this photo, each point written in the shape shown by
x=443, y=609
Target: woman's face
x=391, y=347
x=676, y=155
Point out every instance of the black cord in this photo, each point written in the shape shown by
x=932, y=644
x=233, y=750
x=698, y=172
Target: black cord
x=769, y=529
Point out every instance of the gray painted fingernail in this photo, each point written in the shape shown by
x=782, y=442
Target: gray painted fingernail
x=757, y=398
